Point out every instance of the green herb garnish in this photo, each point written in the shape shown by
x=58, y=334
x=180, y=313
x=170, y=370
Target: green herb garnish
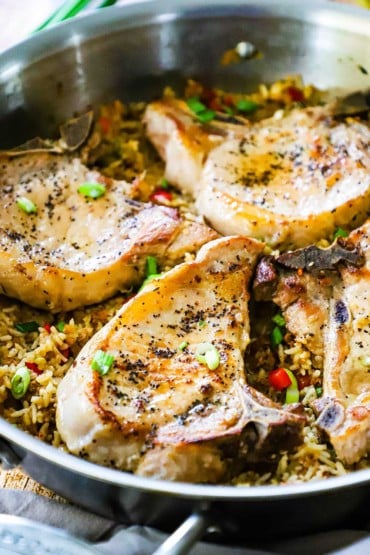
x=164, y=183
x=102, y=362
x=245, y=105
x=60, y=326
x=92, y=190
x=183, y=345
x=340, y=233
x=206, y=116
x=25, y=327
x=151, y=266
x=276, y=337
x=318, y=390
x=27, y=205
x=196, y=105
x=202, y=112
x=292, y=391
x=202, y=323
x=279, y=320
x=20, y=382
x=207, y=354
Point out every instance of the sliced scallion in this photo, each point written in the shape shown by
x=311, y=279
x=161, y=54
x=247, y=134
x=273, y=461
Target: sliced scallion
x=206, y=115
x=276, y=337
x=340, y=233
x=26, y=205
x=245, y=105
x=207, y=354
x=151, y=266
x=151, y=271
x=279, y=320
x=292, y=392
x=196, y=105
x=26, y=327
x=92, y=190
x=60, y=326
x=200, y=110
x=102, y=362
x=20, y=382
x=183, y=345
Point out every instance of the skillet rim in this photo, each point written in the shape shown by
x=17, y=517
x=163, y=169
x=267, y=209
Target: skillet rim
x=94, y=25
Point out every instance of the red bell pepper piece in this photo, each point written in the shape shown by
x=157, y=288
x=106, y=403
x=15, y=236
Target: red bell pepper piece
x=33, y=366
x=161, y=195
x=295, y=94
x=279, y=379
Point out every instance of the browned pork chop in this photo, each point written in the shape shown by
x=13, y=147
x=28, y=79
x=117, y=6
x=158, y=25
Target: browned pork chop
x=289, y=181
x=160, y=411
x=74, y=251
x=329, y=312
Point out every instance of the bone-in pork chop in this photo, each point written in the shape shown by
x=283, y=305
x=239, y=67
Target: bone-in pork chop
x=345, y=408
x=289, y=181
x=69, y=250
x=329, y=312
x=164, y=409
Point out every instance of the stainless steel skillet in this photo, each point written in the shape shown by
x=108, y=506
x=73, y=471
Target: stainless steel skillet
x=132, y=52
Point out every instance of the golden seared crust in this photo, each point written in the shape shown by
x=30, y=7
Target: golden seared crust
x=288, y=181
x=74, y=250
x=182, y=142
x=159, y=396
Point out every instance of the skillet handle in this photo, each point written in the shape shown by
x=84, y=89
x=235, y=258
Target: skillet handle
x=8, y=458
x=187, y=534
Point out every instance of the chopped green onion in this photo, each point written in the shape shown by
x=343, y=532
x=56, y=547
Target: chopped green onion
x=151, y=271
x=196, y=105
x=102, y=362
x=365, y=360
x=292, y=392
x=202, y=112
x=183, y=345
x=206, y=115
x=164, y=183
x=279, y=320
x=149, y=279
x=245, y=105
x=318, y=391
x=92, y=190
x=207, y=354
x=151, y=266
x=202, y=323
x=25, y=327
x=340, y=233
x=27, y=205
x=276, y=337
x=60, y=326
x=20, y=382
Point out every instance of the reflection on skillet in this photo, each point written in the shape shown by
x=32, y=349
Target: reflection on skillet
x=195, y=311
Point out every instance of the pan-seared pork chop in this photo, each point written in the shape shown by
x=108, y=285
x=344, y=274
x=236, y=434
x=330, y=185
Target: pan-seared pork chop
x=329, y=312
x=74, y=251
x=161, y=411
x=289, y=181
x=182, y=142
x=345, y=407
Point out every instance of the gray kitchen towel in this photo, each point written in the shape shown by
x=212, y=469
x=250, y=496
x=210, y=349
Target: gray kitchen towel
x=114, y=539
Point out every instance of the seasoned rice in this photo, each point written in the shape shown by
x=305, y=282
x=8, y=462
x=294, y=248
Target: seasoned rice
x=121, y=151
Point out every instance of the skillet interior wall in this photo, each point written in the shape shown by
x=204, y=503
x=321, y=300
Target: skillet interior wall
x=136, y=62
